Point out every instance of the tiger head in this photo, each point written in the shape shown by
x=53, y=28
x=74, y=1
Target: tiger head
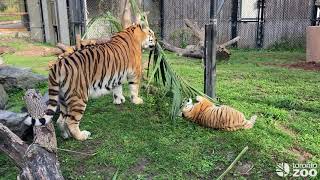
x=190, y=110
x=145, y=35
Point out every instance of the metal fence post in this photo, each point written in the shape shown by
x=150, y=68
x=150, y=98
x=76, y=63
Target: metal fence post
x=210, y=51
x=208, y=60
x=260, y=27
x=313, y=16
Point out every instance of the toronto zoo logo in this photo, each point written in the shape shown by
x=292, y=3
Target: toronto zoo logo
x=298, y=170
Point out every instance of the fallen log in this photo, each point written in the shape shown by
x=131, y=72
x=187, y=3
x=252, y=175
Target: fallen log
x=39, y=159
x=222, y=52
x=197, y=53
x=35, y=161
x=67, y=50
x=199, y=33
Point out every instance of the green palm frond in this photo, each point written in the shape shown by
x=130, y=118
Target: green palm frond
x=163, y=74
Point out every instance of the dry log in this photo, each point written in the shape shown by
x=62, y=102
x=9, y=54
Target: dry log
x=37, y=160
x=229, y=43
x=66, y=50
x=222, y=52
x=78, y=41
x=197, y=53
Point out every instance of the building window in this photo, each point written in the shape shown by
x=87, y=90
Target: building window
x=249, y=10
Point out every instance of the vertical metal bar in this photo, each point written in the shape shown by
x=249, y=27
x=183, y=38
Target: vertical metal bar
x=212, y=9
x=208, y=54
x=234, y=20
x=313, y=16
x=214, y=57
x=260, y=25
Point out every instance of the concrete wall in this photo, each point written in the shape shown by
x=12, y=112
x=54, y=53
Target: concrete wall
x=313, y=44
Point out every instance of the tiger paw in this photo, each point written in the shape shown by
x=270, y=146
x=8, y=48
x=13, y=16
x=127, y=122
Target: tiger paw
x=84, y=135
x=119, y=99
x=137, y=100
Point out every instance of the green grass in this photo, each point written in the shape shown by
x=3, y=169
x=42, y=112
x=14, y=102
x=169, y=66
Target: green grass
x=9, y=18
x=38, y=64
x=141, y=141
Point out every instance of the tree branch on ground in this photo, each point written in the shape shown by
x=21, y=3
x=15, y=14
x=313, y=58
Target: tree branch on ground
x=197, y=51
x=39, y=159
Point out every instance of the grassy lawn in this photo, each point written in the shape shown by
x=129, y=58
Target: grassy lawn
x=38, y=64
x=141, y=141
x=9, y=18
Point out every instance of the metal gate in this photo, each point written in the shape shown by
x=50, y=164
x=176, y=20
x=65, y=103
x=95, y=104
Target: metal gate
x=315, y=19
x=247, y=21
x=77, y=18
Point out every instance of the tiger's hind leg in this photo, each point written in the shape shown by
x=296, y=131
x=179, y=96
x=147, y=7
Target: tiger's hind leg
x=118, y=97
x=76, y=109
x=61, y=122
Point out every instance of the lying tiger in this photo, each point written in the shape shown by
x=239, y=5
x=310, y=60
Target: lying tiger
x=207, y=114
x=94, y=71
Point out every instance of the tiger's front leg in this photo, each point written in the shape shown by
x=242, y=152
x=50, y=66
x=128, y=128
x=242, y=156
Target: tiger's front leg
x=118, y=97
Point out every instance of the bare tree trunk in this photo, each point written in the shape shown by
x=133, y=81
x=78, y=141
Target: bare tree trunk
x=36, y=161
x=197, y=52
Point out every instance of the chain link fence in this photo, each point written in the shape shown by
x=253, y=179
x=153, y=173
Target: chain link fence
x=259, y=23
x=13, y=16
x=101, y=27
x=96, y=9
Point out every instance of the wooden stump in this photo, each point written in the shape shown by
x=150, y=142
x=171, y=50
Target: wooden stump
x=39, y=159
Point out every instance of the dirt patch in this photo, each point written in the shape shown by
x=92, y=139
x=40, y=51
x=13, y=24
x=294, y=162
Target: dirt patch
x=140, y=166
x=6, y=49
x=301, y=154
x=244, y=168
x=311, y=66
x=308, y=66
x=38, y=51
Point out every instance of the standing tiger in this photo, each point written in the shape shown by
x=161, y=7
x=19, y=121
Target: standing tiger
x=207, y=114
x=94, y=71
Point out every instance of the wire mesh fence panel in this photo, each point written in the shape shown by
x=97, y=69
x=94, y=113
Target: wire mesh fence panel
x=95, y=10
x=13, y=15
x=286, y=22
x=152, y=7
x=259, y=23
